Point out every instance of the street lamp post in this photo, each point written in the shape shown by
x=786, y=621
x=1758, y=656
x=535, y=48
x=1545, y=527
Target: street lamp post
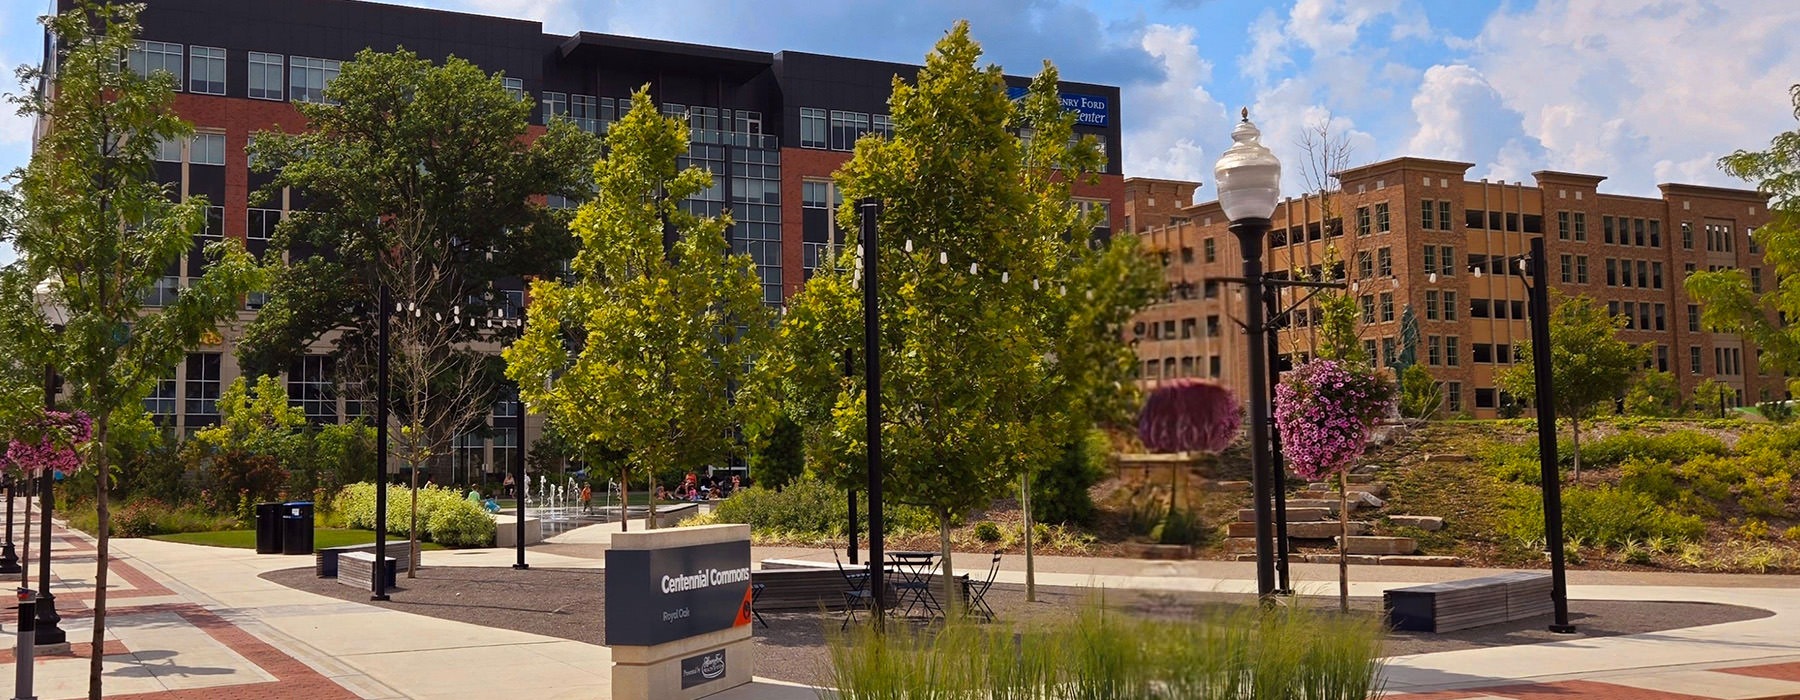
x=48, y=633
x=9, y=557
x=382, y=303
x=871, y=211
x=1278, y=471
x=518, y=466
x=1249, y=178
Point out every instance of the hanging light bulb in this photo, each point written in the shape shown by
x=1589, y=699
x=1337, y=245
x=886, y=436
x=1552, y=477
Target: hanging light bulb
x=456, y=310
x=437, y=316
x=399, y=307
x=909, y=245
x=411, y=306
x=1034, y=283
x=1062, y=290
x=1090, y=295
x=972, y=268
x=943, y=258
x=1005, y=277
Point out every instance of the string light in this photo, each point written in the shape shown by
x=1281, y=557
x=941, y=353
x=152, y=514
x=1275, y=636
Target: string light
x=909, y=245
x=1004, y=277
x=943, y=258
x=972, y=268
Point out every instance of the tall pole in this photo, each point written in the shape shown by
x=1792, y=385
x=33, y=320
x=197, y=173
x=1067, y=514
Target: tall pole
x=1546, y=422
x=1251, y=233
x=47, y=631
x=852, y=525
x=1276, y=468
x=382, y=302
x=871, y=210
x=9, y=557
x=518, y=467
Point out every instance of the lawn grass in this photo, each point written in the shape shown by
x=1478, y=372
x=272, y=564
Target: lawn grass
x=246, y=539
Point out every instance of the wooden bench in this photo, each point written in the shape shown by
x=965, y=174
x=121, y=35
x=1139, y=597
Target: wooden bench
x=804, y=589
x=325, y=561
x=1455, y=605
x=358, y=568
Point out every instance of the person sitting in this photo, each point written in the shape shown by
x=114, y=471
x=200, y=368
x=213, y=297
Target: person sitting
x=683, y=490
x=662, y=492
x=490, y=505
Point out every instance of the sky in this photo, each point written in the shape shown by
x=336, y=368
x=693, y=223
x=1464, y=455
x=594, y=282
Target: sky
x=1641, y=92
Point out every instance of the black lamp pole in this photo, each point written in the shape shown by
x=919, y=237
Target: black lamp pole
x=47, y=631
x=518, y=466
x=1276, y=468
x=9, y=557
x=1251, y=232
x=381, y=444
x=1539, y=292
x=850, y=527
x=871, y=210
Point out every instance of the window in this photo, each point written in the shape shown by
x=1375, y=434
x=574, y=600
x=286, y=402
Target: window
x=161, y=400
x=1518, y=308
x=1387, y=306
x=1643, y=317
x=1581, y=276
x=147, y=58
x=1427, y=211
x=1580, y=226
x=1625, y=273
x=307, y=80
x=585, y=111
x=1662, y=358
x=265, y=76
x=1687, y=235
x=309, y=388
x=209, y=149
x=1431, y=305
x=1362, y=221
x=213, y=227
x=1637, y=228
x=514, y=87
x=1443, y=215
x=555, y=106
x=884, y=124
x=1656, y=275
x=1381, y=217
x=1474, y=218
x=1449, y=306
x=1368, y=308
x=1365, y=264
x=1384, y=262
x=1434, y=350
x=1452, y=351
x=1606, y=224
x=206, y=70
x=1482, y=353
x=1655, y=233
x=262, y=224
x=1187, y=255
x=1568, y=268
x=1387, y=352
x=1562, y=226
x=163, y=291
x=1431, y=258
x=1693, y=318
x=846, y=128
x=1643, y=273
x=1484, y=398
x=812, y=128
x=1662, y=317
x=1755, y=280
x=1478, y=308
x=1612, y=272
x=1212, y=250
x=1369, y=351
x=203, y=383
x=168, y=151
x=1454, y=395
x=1187, y=328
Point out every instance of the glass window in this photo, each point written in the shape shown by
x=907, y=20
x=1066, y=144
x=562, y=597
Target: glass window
x=1427, y=212
x=1431, y=258
x=1387, y=306
x=209, y=149
x=1580, y=226
x=1431, y=305
x=206, y=70
x=309, y=388
x=1452, y=351
x=1581, y=275
x=1212, y=250
x=213, y=227
x=812, y=128
x=265, y=73
x=514, y=87
x=1368, y=308
x=161, y=401
x=554, y=104
x=1693, y=316
x=1694, y=359
x=1562, y=225
x=884, y=125
x=1443, y=214
x=585, y=110
x=1687, y=235
x=1637, y=227
x=203, y=383
x=147, y=58
x=1454, y=396
x=1384, y=262
x=1365, y=264
x=1381, y=217
x=1449, y=306
x=307, y=80
x=262, y=223
x=1606, y=226
x=168, y=151
x=1434, y=350
x=1362, y=221
x=163, y=292
x=1446, y=261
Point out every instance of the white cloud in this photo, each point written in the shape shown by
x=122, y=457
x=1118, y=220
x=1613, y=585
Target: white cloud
x=1169, y=120
x=1462, y=117
x=1644, y=93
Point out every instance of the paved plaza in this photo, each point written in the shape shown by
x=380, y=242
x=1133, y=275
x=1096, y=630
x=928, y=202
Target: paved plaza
x=196, y=622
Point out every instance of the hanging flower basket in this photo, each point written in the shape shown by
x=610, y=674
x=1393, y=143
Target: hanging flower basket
x=60, y=440
x=1325, y=410
x=1190, y=415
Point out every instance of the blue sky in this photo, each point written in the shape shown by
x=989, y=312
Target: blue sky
x=1640, y=92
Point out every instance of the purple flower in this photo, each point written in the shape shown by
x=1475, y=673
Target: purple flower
x=1324, y=410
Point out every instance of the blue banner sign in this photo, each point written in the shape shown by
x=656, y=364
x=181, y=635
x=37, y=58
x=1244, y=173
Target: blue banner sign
x=1089, y=110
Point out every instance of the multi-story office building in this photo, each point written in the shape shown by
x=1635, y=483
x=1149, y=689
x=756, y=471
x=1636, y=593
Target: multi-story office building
x=1409, y=236
x=771, y=127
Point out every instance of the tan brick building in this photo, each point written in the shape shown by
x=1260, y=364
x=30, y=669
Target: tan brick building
x=1408, y=233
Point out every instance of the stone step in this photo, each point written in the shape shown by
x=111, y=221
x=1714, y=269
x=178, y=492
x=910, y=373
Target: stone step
x=1373, y=487
x=1312, y=530
x=1294, y=515
x=1420, y=560
x=1240, y=545
x=1364, y=478
x=1428, y=523
x=1380, y=545
x=1363, y=470
x=1358, y=499
x=1333, y=558
x=1446, y=458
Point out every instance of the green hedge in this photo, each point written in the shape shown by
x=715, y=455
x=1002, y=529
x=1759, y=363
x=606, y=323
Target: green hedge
x=438, y=506
x=1604, y=516
x=808, y=507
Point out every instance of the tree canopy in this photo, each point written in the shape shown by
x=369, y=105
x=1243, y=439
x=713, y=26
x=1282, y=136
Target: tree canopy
x=1589, y=365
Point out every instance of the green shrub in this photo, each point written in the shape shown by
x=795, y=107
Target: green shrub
x=1604, y=516
x=1059, y=493
x=356, y=504
x=462, y=524
x=1678, y=446
x=137, y=518
x=809, y=507
x=143, y=517
x=987, y=531
x=1776, y=411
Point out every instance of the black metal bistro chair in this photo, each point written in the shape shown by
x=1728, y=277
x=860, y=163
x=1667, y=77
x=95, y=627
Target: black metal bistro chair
x=857, y=595
x=756, y=591
x=975, y=591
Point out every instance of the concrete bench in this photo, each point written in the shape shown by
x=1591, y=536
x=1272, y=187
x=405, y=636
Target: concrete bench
x=357, y=569
x=806, y=588
x=1455, y=605
x=325, y=561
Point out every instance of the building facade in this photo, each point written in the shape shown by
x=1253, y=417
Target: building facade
x=771, y=127
x=1414, y=239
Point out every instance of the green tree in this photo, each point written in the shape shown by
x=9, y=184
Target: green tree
x=990, y=312
x=1711, y=398
x=422, y=178
x=778, y=455
x=1589, y=365
x=1727, y=301
x=1654, y=394
x=96, y=225
x=662, y=329
x=262, y=422
x=1421, y=396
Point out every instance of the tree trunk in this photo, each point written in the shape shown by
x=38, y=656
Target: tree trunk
x=1344, y=541
x=1575, y=423
x=650, y=518
x=102, y=475
x=951, y=603
x=412, y=537
x=624, y=499
x=1030, y=565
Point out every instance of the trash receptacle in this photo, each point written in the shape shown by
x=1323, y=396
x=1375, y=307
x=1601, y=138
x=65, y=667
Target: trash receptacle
x=297, y=527
x=268, y=528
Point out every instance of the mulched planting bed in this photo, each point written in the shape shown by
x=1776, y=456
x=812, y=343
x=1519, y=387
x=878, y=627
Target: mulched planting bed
x=569, y=603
